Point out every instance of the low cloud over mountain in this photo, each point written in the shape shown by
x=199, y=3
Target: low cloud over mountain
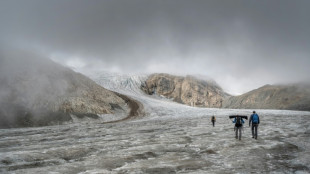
x=35, y=91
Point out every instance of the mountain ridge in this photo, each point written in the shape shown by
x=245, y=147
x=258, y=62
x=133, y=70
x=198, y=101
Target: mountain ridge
x=281, y=96
x=35, y=91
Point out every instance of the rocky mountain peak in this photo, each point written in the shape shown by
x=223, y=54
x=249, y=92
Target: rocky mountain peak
x=187, y=90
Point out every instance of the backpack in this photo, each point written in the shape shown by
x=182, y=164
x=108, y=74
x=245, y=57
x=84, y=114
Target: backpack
x=255, y=119
x=238, y=122
x=213, y=118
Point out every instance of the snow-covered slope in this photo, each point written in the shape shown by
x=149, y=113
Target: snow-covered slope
x=126, y=84
x=154, y=105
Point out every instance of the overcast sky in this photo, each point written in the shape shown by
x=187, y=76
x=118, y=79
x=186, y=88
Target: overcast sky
x=242, y=45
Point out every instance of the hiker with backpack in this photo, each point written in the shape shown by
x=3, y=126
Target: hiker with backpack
x=255, y=122
x=213, y=120
x=238, y=126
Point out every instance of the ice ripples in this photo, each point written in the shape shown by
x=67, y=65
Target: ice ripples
x=171, y=138
x=170, y=145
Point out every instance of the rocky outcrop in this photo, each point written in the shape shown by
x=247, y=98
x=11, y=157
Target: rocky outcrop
x=187, y=90
x=36, y=92
x=192, y=91
x=290, y=97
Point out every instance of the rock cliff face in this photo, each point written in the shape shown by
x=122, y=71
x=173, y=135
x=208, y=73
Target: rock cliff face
x=36, y=92
x=291, y=97
x=187, y=90
x=203, y=93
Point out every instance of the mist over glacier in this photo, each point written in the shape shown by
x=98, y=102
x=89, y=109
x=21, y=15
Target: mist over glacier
x=241, y=44
x=169, y=138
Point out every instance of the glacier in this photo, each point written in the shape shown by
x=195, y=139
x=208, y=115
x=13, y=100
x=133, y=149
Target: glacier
x=169, y=138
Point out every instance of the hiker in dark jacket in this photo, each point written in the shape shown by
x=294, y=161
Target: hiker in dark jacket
x=254, y=119
x=213, y=120
x=238, y=126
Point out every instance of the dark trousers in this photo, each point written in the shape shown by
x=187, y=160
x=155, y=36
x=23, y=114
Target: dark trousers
x=254, y=130
x=213, y=123
x=238, y=130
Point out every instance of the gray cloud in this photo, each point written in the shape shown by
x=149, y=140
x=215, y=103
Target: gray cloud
x=241, y=44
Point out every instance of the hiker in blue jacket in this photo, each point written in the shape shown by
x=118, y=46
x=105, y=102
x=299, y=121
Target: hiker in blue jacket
x=255, y=122
x=238, y=126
